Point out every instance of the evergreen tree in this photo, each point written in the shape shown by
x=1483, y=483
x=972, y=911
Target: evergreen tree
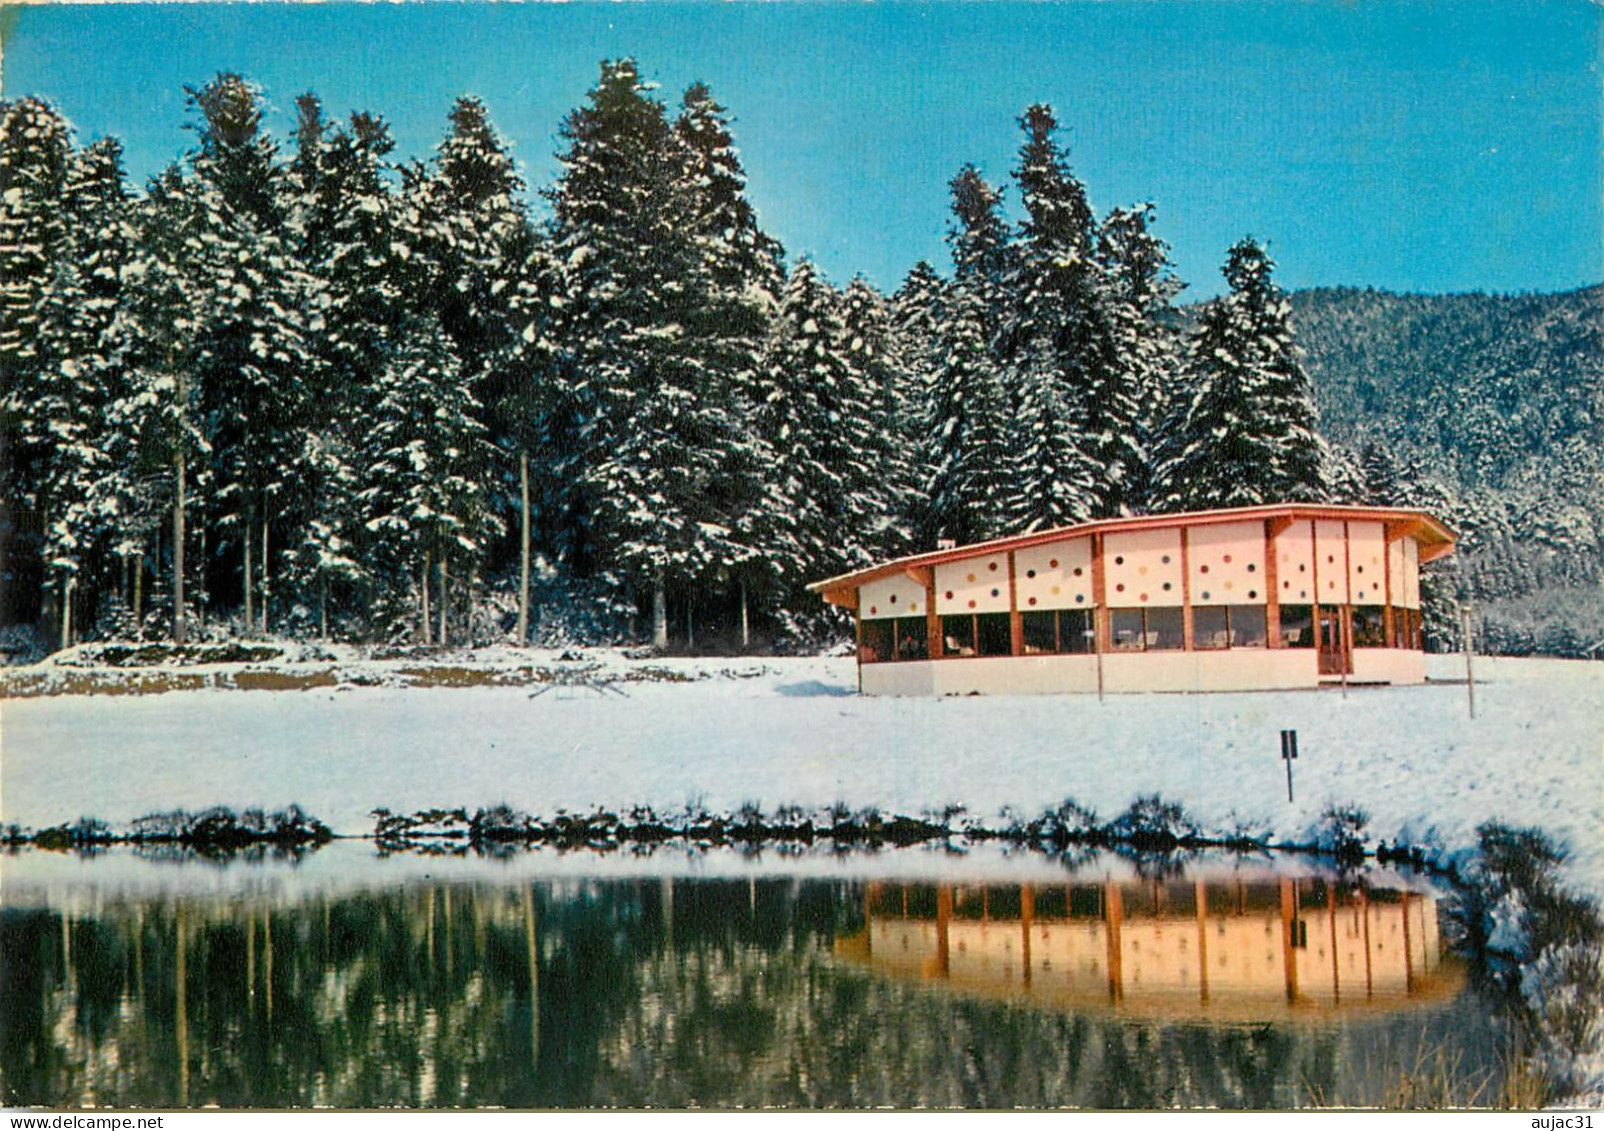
x=35, y=152
x=345, y=219
x=1249, y=435
x=652, y=421
x=1077, y=404
x=983, y=259
x=89, y=343
x=1140, y=289
x=742, y=266
x=817, y=415
x=254, y=365
x=423, y=485
x=969, y=470
x=866, y=331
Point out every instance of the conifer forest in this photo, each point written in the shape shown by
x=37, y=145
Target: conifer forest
x=298, y=386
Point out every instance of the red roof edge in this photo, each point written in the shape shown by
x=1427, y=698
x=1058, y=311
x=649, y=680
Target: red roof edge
x=1436, y=538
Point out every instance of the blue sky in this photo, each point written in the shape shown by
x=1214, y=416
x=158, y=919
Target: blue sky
x=1432, y=146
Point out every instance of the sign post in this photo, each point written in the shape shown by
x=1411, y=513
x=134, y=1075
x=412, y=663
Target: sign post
x=1289, y=751
x=1470, y=677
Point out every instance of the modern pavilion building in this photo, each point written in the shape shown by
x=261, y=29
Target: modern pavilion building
x=1254, y=598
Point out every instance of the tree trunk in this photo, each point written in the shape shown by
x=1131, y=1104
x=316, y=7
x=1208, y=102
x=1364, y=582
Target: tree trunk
x=523, y=567
x=67, y=586
x=250, y=583
x=659, y=612
x=139, y=597
x=180, y=632
x=444, y=600
x=202, y=599
x=423, y=596
x=264, y=575
x=690, y=623
x=323, y=609
x=746, y=632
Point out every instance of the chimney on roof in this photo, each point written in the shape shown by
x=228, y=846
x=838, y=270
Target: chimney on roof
x=946, y=543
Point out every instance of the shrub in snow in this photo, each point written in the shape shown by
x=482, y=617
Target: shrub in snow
x=1153, y=823
x=1564, y=993
x=1340, y=833
x=1066, y=823
x=220, y=827
x=1541, y=940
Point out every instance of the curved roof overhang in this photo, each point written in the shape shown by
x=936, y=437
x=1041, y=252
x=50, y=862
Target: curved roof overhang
x=1434, y=538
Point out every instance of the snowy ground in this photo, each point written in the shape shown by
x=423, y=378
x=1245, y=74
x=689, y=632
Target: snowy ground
x=779, y=731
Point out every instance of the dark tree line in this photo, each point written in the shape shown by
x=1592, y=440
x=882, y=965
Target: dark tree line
x=304, y=387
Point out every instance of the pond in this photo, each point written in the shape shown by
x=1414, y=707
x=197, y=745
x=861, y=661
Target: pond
x=909, y=978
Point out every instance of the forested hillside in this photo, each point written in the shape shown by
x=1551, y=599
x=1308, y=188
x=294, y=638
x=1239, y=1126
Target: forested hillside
x=1492, y=407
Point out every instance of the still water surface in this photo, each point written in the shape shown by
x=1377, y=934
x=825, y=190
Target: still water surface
x=769, y=983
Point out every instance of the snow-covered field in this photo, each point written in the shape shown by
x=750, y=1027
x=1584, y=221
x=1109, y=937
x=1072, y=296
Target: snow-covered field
x=782, y=731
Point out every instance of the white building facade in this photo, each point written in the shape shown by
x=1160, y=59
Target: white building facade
x=1255, y=598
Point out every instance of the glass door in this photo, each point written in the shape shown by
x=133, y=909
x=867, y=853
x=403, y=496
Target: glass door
x=1336, y=643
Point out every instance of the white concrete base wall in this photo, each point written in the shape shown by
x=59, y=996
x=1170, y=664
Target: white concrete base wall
x=989, y=675
x=1388, y=665
x=1235, y=669
x=1238, y=669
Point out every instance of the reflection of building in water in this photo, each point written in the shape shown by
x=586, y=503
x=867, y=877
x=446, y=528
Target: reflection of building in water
x=1241, y=950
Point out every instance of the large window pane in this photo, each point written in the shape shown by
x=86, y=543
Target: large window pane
x=1075, y=633
x=1041, y=632
x=1127, y=629
x=1165, y=629
x=1210, y=627
x=875, y=642
x=994, y=635
x=1297, y=626
x=913, y=638
x=958, y=635
x=1369, y=626
x=1247, y=626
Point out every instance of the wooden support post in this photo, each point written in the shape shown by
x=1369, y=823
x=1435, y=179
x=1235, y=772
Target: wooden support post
x=1027, y=918
x=1289, y=925
x=1364, y=909
x=1187, y=637
x=1114, y=919
x=1346, y=619
x=1272, y=581
x=1409, y=952
x=943, y=927
x=1101, y=633
x=1202, y=897
x=1470, y=674
x=1016, y=619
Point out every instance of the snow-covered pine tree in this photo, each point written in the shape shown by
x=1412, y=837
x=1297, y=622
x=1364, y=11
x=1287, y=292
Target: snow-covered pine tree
x=344, y=220
x=423, y=480
x=983, y=258
x=1250, y=434
x=157, y=433
x=254, y=365
x=89, y=342
x=1140, y=290
x=468, y=224
x=1075, y=400
x=1380, y=473
x=35, y=150
x=866, y=327
x=816, y=416
x=917, y=313
x=968, y=450
x=653, y=423
x=742, y=266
